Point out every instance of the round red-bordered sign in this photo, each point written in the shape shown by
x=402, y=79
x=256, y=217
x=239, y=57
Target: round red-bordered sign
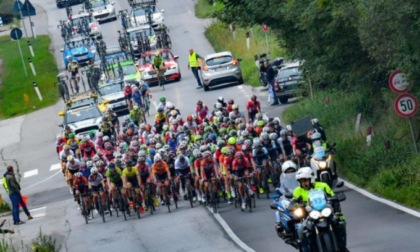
x=406, y=105
x=398, y=82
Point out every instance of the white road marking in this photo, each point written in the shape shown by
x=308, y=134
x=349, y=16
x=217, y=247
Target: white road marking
x=55, y=167
x=231, y=234
x=30, y=173
x=155, y=105
x=44, y=180
x=38, y=212
x=382, y=200
x=240, y=87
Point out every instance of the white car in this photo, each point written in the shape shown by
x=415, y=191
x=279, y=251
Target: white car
x=144, y=30
x=85, y=18
x=138, y=15
x=102, y=10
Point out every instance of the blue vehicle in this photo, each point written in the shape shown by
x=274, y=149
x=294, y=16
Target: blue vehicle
x=81, y=49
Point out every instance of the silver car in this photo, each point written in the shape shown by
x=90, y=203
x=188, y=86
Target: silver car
x=220, y=68
x=102, y=10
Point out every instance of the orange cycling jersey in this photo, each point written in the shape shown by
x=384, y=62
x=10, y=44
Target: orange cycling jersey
x=160, y=168
x=80, y=181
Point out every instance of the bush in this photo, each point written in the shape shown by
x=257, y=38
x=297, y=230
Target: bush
x=44, y=243
x=5, y=207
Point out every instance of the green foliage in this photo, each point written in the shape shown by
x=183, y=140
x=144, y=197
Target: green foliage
x=221, y=38
x=44, y=243
x=391, y=173
x=207, y=8
x=4, y=207
x=16, y=84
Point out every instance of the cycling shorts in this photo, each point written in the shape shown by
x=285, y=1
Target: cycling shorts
x=72, y=171
x=118, y=184
x=133, y=181
x=161, y=177
x=97, y=188
x=182, y=172
x=241, y=172
x=74, y=74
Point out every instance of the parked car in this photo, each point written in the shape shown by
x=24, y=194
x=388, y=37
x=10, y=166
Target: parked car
x=288, y=81
x=102, y=10
x=139, y=15
x=220, y=68
x=81, y=49
x=172, y=70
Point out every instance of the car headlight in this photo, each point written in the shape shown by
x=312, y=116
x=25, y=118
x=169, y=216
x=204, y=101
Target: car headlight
x=322, y=164
x=326, y=212
x=314, y=214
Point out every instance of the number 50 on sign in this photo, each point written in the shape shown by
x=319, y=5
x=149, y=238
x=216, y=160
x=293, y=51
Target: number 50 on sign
x=406, y=105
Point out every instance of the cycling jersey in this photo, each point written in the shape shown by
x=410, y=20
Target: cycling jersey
x=95, y=179
x=160, y=168
x=208, y=167
x=74, y=144
x=130, y=174
x=260, y=155
x=238, y=164
x=286, y=144
x=64, y=155
x=73, y=167
x=114, y=176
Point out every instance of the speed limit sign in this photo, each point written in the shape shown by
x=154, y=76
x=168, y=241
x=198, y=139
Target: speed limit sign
x=398, y=82
x=406, y=105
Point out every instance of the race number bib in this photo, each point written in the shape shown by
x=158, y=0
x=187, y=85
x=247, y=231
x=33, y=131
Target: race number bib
x=317, y=199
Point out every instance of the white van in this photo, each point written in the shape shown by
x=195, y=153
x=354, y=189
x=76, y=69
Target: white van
x=1, y=22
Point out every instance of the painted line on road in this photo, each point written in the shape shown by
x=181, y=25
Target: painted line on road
x=55, y=167
x=155, y=104
x=30, y=173
x=38, y=212
x=382, y=200
x=231, y=234
x=44, y=180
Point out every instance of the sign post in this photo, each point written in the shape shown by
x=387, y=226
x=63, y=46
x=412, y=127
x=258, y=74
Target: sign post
x=407, y=106
x=16, y=34
x=265, y=29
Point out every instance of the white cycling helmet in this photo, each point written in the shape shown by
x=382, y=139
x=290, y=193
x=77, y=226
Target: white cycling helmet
x=315, y=121
x=157, y=157
x=94, y=170
x=305, y=173
x=289, y=128
x=288, y=164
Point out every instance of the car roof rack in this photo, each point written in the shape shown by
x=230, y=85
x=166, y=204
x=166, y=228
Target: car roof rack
x=141, y=3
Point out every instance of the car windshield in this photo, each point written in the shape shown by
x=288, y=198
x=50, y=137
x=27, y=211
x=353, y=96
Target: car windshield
x=287, y=72
x=218, y=60
x=99, y=3
x=127, y=70
x=142, y=11
x=79, y=42
x=149, y=58
x=82, y=114
x=110, y=89
x=145, y=32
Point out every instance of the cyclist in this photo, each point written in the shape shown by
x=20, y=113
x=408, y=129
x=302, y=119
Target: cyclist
x=114, y=180
x=128, y=93
x=73, y=68
x=87, y=148
x=182, y=168
x=241, y=167
x=208, y=174
x=131, y=180
x=161, y=174
x=136, y=115
x=64, y=154
x=73, y=142
x=106, y=127
x=159, y=64
x=261, y=158
x=160, y=119
x=72, y=167
x=253, y=107
x=81, y=187
x=201, y=110
x=97, y=185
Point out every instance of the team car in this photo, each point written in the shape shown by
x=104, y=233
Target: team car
x=289, y=82
x=126, y=70
x=81, y=49
x=102, y=10
x=140, y=15
x=144, y=30
x=172, y=70
x=83, y=112
x=64, y=3
x=112, y=92
x=86, y=24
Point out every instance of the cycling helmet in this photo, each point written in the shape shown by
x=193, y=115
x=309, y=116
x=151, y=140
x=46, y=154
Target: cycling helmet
x=78, y=174
x=100, y=134
x=235, y=106
x=257, y=145
x=239, y=154
x=231, y=101
x=89, y=164
x=203, y=148
x=162, y=99
x=141, y=159
x=94, y=170
x=199, y=102
x=70, y=158
x=232, y=140
x=169, y=105
x=220, y=143
x=314, y=121
x=225, y=150
x=304, y=173
x=160, y=110
x=111, y=165
x=260, y=123
x=253, y=97
x=71, y=135
x=128, y=162
x=273, y=136
x=158, y=146
x=245, y=133
x=142, y=125
x=256, y=140
x=264, y=136
x=233, y=133
x=212, y=136
x=240, y=140
x=105, y=138
x=287, y=165
x=259, y=116
x=207, y=154
x=283, y=132
x=220, y=99
x=66, y=147
x=152, y=151
x=158, y=157
x=289, y=128
x=247, y=142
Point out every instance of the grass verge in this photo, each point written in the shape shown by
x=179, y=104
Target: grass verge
x=221, y=38
x=42, y=243
x=15, y=85
x=391, y=173
x=204, y=9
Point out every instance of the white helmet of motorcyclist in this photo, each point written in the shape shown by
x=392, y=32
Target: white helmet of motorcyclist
x=288, y=165
x=289, y=128
x=305, y=173
x=219, y=105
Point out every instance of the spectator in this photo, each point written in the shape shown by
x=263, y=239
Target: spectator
x=13, y=188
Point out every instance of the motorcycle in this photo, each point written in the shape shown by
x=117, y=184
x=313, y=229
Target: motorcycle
x=322, y=225
x=289, y=219
x=324, y=168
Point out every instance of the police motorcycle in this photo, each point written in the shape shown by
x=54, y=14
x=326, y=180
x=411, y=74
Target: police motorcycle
x=323, y=165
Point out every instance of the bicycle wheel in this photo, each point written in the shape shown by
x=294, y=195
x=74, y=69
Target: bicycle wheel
x=108, y=203
x=84, y=209
x=137, y=206
x=168, y=201
x=122, y=205
x=114, y=203
x=266, y=185
x=168, y=42
x=101, y=208
x=190, y=193
x=150, y=203
x=214, y=201
x=174, y=194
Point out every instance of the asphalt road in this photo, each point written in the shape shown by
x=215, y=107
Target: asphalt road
x=372, y=226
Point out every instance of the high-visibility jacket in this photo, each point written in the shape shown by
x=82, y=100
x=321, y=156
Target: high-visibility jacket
x=193, y=60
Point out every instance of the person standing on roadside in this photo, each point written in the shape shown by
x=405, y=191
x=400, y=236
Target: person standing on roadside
x=194, y=65
x=13, y=188
x=271, y=75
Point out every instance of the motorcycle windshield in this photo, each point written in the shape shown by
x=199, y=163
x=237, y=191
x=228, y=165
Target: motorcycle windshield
x=317, y=199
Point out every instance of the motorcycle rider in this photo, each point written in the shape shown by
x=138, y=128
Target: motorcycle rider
x=306, y=179
x=318, y=128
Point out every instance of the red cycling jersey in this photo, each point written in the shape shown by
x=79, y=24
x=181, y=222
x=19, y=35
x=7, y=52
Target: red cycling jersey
x=240, y=164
